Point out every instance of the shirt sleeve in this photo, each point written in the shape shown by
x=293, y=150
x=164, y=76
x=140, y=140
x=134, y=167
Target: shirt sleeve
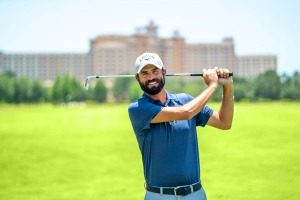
x=141, y=113
x=203, y=116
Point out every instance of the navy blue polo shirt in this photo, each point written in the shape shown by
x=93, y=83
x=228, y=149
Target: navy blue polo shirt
x=170, y=149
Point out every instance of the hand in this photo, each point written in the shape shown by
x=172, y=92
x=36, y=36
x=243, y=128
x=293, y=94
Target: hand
x=223, y=75
x=210, y=77
x=217, y=75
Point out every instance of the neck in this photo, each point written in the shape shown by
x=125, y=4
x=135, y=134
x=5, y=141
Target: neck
x=161, y=96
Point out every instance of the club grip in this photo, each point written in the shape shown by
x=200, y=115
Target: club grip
x=200, y=74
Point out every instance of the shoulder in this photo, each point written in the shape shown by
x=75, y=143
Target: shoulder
x=181, y=97
x=137, y=103
x=143, y=105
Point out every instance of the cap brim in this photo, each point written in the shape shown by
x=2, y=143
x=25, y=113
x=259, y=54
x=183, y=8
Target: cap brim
x=145, y=64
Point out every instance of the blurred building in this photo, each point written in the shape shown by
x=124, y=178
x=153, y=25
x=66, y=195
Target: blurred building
x=116, y=54
x=251, y=66
x=46, y=66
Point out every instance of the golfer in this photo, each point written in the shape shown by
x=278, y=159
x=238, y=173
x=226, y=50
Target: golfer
x=165, y=128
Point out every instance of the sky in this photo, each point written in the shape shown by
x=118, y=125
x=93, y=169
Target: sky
x=258, y=27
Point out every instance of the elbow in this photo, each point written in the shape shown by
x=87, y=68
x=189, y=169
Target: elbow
x=226, y=123
x=226, y=127
x=186, y=114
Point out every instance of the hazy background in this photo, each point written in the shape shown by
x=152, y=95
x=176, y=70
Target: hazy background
x=66, y=148
x=257, y=26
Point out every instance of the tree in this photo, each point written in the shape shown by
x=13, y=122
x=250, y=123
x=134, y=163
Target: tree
x=135, y=91
x=291, y=86
x=175, y=84
x=268, y=85
x=66, y=89
x=194, y=87
x=99, y=92
x=120, y=89
x=38, y=91
x=243, y=88
x=6, y=87
x=57, y=90
x=78, y=93
x=22, y=90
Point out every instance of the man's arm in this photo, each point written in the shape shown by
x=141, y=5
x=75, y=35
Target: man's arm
x=223, y=118
x=193, y=107
x=186, y=111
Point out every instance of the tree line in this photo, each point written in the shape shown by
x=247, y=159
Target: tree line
x=266, y=86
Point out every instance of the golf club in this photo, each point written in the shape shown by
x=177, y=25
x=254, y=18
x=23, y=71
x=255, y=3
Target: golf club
x=88, y=79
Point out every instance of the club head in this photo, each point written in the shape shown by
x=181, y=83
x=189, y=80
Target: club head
x=87, y=83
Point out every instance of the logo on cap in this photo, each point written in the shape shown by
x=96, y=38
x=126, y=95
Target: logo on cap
x=147, y=57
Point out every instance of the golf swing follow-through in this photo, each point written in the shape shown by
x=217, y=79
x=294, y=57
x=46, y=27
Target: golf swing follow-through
x=165, y=127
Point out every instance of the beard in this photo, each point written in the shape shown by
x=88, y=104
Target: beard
x=153, y=90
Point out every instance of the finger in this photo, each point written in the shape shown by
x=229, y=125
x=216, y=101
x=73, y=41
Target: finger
x=219, y=72
x=212, y=72
x=223, y=73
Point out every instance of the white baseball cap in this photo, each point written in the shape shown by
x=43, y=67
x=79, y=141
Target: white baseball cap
x=148, y=59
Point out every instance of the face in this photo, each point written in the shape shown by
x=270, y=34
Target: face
x=151, y=79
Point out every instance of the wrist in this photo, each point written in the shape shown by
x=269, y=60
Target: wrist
x=228, y=98
x=213, y=85
x=228, y=84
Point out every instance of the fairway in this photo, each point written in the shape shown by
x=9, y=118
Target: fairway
x=89, y=152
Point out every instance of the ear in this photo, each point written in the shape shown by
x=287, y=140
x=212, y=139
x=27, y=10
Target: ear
x=137, y=77
x=164, y=71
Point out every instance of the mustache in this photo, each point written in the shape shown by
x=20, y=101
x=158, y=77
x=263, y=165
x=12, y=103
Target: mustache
x=153, y=80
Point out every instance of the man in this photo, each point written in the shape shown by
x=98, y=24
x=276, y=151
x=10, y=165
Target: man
x=165, y=128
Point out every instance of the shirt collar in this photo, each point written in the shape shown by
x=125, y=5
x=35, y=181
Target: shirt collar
x=157, y=102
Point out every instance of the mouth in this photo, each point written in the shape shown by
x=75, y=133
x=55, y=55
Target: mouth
x=152, y=83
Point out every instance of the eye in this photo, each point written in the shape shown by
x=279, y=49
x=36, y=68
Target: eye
x=143, y=73
x=156, y=71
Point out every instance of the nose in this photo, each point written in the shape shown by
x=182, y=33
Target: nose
x=151, y=76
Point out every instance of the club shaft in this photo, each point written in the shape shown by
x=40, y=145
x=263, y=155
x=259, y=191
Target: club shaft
x=87, y=80
x=132, y=75
x=191, y=74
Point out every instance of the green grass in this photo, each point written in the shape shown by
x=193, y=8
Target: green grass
x=90, y=152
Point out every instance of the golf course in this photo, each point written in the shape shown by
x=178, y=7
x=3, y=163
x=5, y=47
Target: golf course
x=89, y=152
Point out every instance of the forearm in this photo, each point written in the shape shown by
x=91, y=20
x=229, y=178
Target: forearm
x=227, y=106
x=186, y=111
x=196, y=105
